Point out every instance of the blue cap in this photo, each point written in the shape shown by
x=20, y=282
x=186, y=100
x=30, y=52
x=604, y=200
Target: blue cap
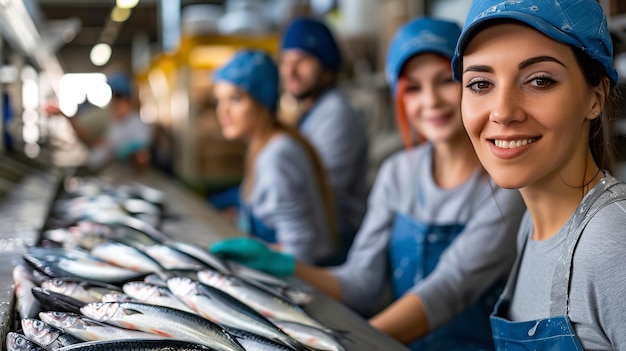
x=120, y=84
x=255, y=73
x=313, y=37
x=421, y=35
x=579, y=23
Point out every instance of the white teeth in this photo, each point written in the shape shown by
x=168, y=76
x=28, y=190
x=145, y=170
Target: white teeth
x=505, y=144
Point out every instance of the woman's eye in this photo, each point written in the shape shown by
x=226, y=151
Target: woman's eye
x=542, y=82
x=478, y=86
x=413, y=88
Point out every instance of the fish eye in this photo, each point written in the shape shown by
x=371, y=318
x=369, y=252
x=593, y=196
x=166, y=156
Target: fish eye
x=37, y=323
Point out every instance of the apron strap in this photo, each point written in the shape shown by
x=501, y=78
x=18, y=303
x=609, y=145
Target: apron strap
x=595, y=200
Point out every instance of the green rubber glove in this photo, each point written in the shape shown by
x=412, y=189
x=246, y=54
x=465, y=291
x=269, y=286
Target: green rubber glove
x=257, y=255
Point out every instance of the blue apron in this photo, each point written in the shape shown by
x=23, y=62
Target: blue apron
x=414, y=252
x=248, y=223
x=556, y=332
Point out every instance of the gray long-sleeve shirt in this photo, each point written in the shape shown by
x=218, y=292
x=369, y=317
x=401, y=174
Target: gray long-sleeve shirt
x=483, y=252
x=338, y=134
x=286, y=197
x=597, y=284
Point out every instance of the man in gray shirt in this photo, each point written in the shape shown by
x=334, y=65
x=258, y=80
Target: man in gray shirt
x=310, y=61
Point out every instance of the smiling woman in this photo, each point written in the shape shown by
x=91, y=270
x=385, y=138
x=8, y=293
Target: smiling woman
x=538, y=106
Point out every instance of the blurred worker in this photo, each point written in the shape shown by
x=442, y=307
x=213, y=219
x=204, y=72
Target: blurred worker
x=437, y=226
x=126, y=139
x=285, y=200
x=309, y=66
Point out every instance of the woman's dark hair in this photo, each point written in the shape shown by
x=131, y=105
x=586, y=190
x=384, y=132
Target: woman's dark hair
x=602, y=131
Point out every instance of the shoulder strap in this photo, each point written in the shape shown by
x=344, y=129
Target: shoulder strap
x=598, y=198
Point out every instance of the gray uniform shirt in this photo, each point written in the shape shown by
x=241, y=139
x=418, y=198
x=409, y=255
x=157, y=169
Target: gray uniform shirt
x=598, y=281
x=338, y=134
x=482, y=253
x=120, y=135
x=286, y=197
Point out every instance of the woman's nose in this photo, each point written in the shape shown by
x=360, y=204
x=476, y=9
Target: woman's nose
x=506, y=106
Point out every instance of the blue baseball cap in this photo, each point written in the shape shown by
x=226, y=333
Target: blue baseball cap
x=419, y=36
x=579, y=23
x=314, y=38
x=120, y=84
x=255, y=73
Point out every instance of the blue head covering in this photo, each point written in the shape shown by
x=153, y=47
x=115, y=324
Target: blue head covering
x=255, y=73
x=421, y=35
x=120, y=84
x=579, y=23
x=313, y=37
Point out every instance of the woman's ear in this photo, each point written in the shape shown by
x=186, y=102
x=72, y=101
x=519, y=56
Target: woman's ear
x=599, y=97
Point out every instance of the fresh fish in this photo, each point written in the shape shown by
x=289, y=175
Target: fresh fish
x=164, y=321
x=19, y=342
x=83, y=234
x=85, y=291
x=151, y=235
x=315, y=338
x=89, y=330
x=170, y=258
x=268, y=305
x=138, y=345
x=161, y=279
x=224, y=309
x=271, y=284
x=75, y=263
x=211, y=260
x=27, y=305
x=252, y=341
x=126, y=256
x=53, y=301
x=47, y=335
x=154, y=295
x=115, y=297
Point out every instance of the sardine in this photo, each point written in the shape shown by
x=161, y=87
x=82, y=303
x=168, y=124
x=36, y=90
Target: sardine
x=53, y=301
x=154, y=295
x=19, y=342
x=85, y=291
x=310, y=336
x=75, y=263
x=117, y=298
x=252, y=341
x=138, y=345
x=170, y=258
x=27, y=305
x=164, y=321
x=90, y=330
x=268, y=305
x=224, y=309
x=126, y=256
x=211, y=260
x=47, y=335
x=270, y=284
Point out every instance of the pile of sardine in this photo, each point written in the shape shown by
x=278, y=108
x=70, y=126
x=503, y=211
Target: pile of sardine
x=112, y=281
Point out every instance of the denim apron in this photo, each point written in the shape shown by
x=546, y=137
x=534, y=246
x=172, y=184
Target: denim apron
x=414, y=252
x=556, y=332
x=250, y=224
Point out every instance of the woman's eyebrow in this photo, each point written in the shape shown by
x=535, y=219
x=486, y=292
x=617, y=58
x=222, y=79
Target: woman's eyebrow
x=533, y=60
x=528, y=62
x=479, y=68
